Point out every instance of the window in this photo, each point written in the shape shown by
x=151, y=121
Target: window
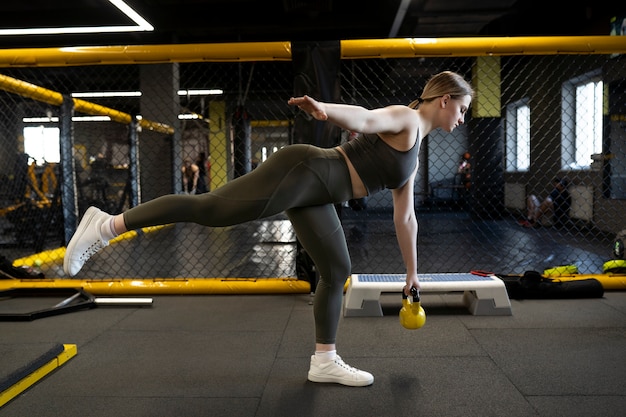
x=581, y=129
x=42, y=144
x=517, y=136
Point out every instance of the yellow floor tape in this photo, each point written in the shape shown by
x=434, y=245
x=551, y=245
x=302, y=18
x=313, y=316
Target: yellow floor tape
x=7, y=395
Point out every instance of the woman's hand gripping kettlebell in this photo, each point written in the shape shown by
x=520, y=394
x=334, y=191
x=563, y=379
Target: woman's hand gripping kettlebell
x=412, y=315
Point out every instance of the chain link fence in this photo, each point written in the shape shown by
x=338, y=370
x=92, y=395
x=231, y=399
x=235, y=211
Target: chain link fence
x=535, y=118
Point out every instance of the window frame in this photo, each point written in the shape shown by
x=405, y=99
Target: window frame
x=43, y=153
x=512, y=162
x=569, y=132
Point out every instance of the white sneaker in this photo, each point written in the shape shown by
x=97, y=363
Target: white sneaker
x=86, y=241
x=339, y=372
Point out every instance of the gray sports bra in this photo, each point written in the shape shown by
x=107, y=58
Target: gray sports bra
x=378, y=164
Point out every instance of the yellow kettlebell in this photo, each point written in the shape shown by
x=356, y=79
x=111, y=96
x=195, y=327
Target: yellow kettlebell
x=412, y=315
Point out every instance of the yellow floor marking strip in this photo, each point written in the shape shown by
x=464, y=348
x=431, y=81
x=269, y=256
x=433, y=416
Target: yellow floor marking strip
x=7, y=395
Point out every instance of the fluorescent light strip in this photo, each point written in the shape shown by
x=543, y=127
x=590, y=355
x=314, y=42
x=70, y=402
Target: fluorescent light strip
x=40, y=119
x=91, y=119
x=74, y=119
x=133, y=15
x=107, y=94
x=189, y=116
x=213, y=92
x=186, y=116
x=142, y=25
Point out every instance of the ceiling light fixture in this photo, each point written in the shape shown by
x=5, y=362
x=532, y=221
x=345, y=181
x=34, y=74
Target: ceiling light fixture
x=91, y=94
x=74, y=119
x=142, y=25
x=211, y=92
x=109, y=94
x=189, y=116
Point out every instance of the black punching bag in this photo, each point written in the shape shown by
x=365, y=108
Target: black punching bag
x=316, y=74
x=241, y=141
x=487, y=189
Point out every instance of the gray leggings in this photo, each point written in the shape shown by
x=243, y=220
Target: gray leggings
x=302, y=180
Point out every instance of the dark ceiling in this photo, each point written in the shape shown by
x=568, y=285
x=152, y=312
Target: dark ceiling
x=209, y=21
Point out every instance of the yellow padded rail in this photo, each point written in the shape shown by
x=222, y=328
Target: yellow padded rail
x=168, y=286
x=281, y=51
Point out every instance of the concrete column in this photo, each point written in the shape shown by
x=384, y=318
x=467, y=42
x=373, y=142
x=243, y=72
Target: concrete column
x=161, y=158
x=487, y=141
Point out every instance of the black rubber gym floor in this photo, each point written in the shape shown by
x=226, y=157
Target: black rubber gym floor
x=248, y=355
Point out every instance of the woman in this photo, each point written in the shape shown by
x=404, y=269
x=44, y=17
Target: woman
x=553, y=210
x=191, y=176
x=306, y=181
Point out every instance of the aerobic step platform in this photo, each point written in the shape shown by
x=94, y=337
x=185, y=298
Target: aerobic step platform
x=483, y=295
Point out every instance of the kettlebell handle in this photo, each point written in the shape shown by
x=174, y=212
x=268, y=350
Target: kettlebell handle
x=415, y=293
x=412, y=315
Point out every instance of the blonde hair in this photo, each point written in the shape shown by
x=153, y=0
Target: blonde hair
x=446, y=82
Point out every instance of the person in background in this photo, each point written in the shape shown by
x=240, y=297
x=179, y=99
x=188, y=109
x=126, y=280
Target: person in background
x=465, y=170
x=201, y=162
x=553, y=210
x=191, y=175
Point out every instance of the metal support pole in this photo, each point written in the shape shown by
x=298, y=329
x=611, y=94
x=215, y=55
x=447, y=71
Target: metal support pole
x=68, y=168
x=134, y=174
